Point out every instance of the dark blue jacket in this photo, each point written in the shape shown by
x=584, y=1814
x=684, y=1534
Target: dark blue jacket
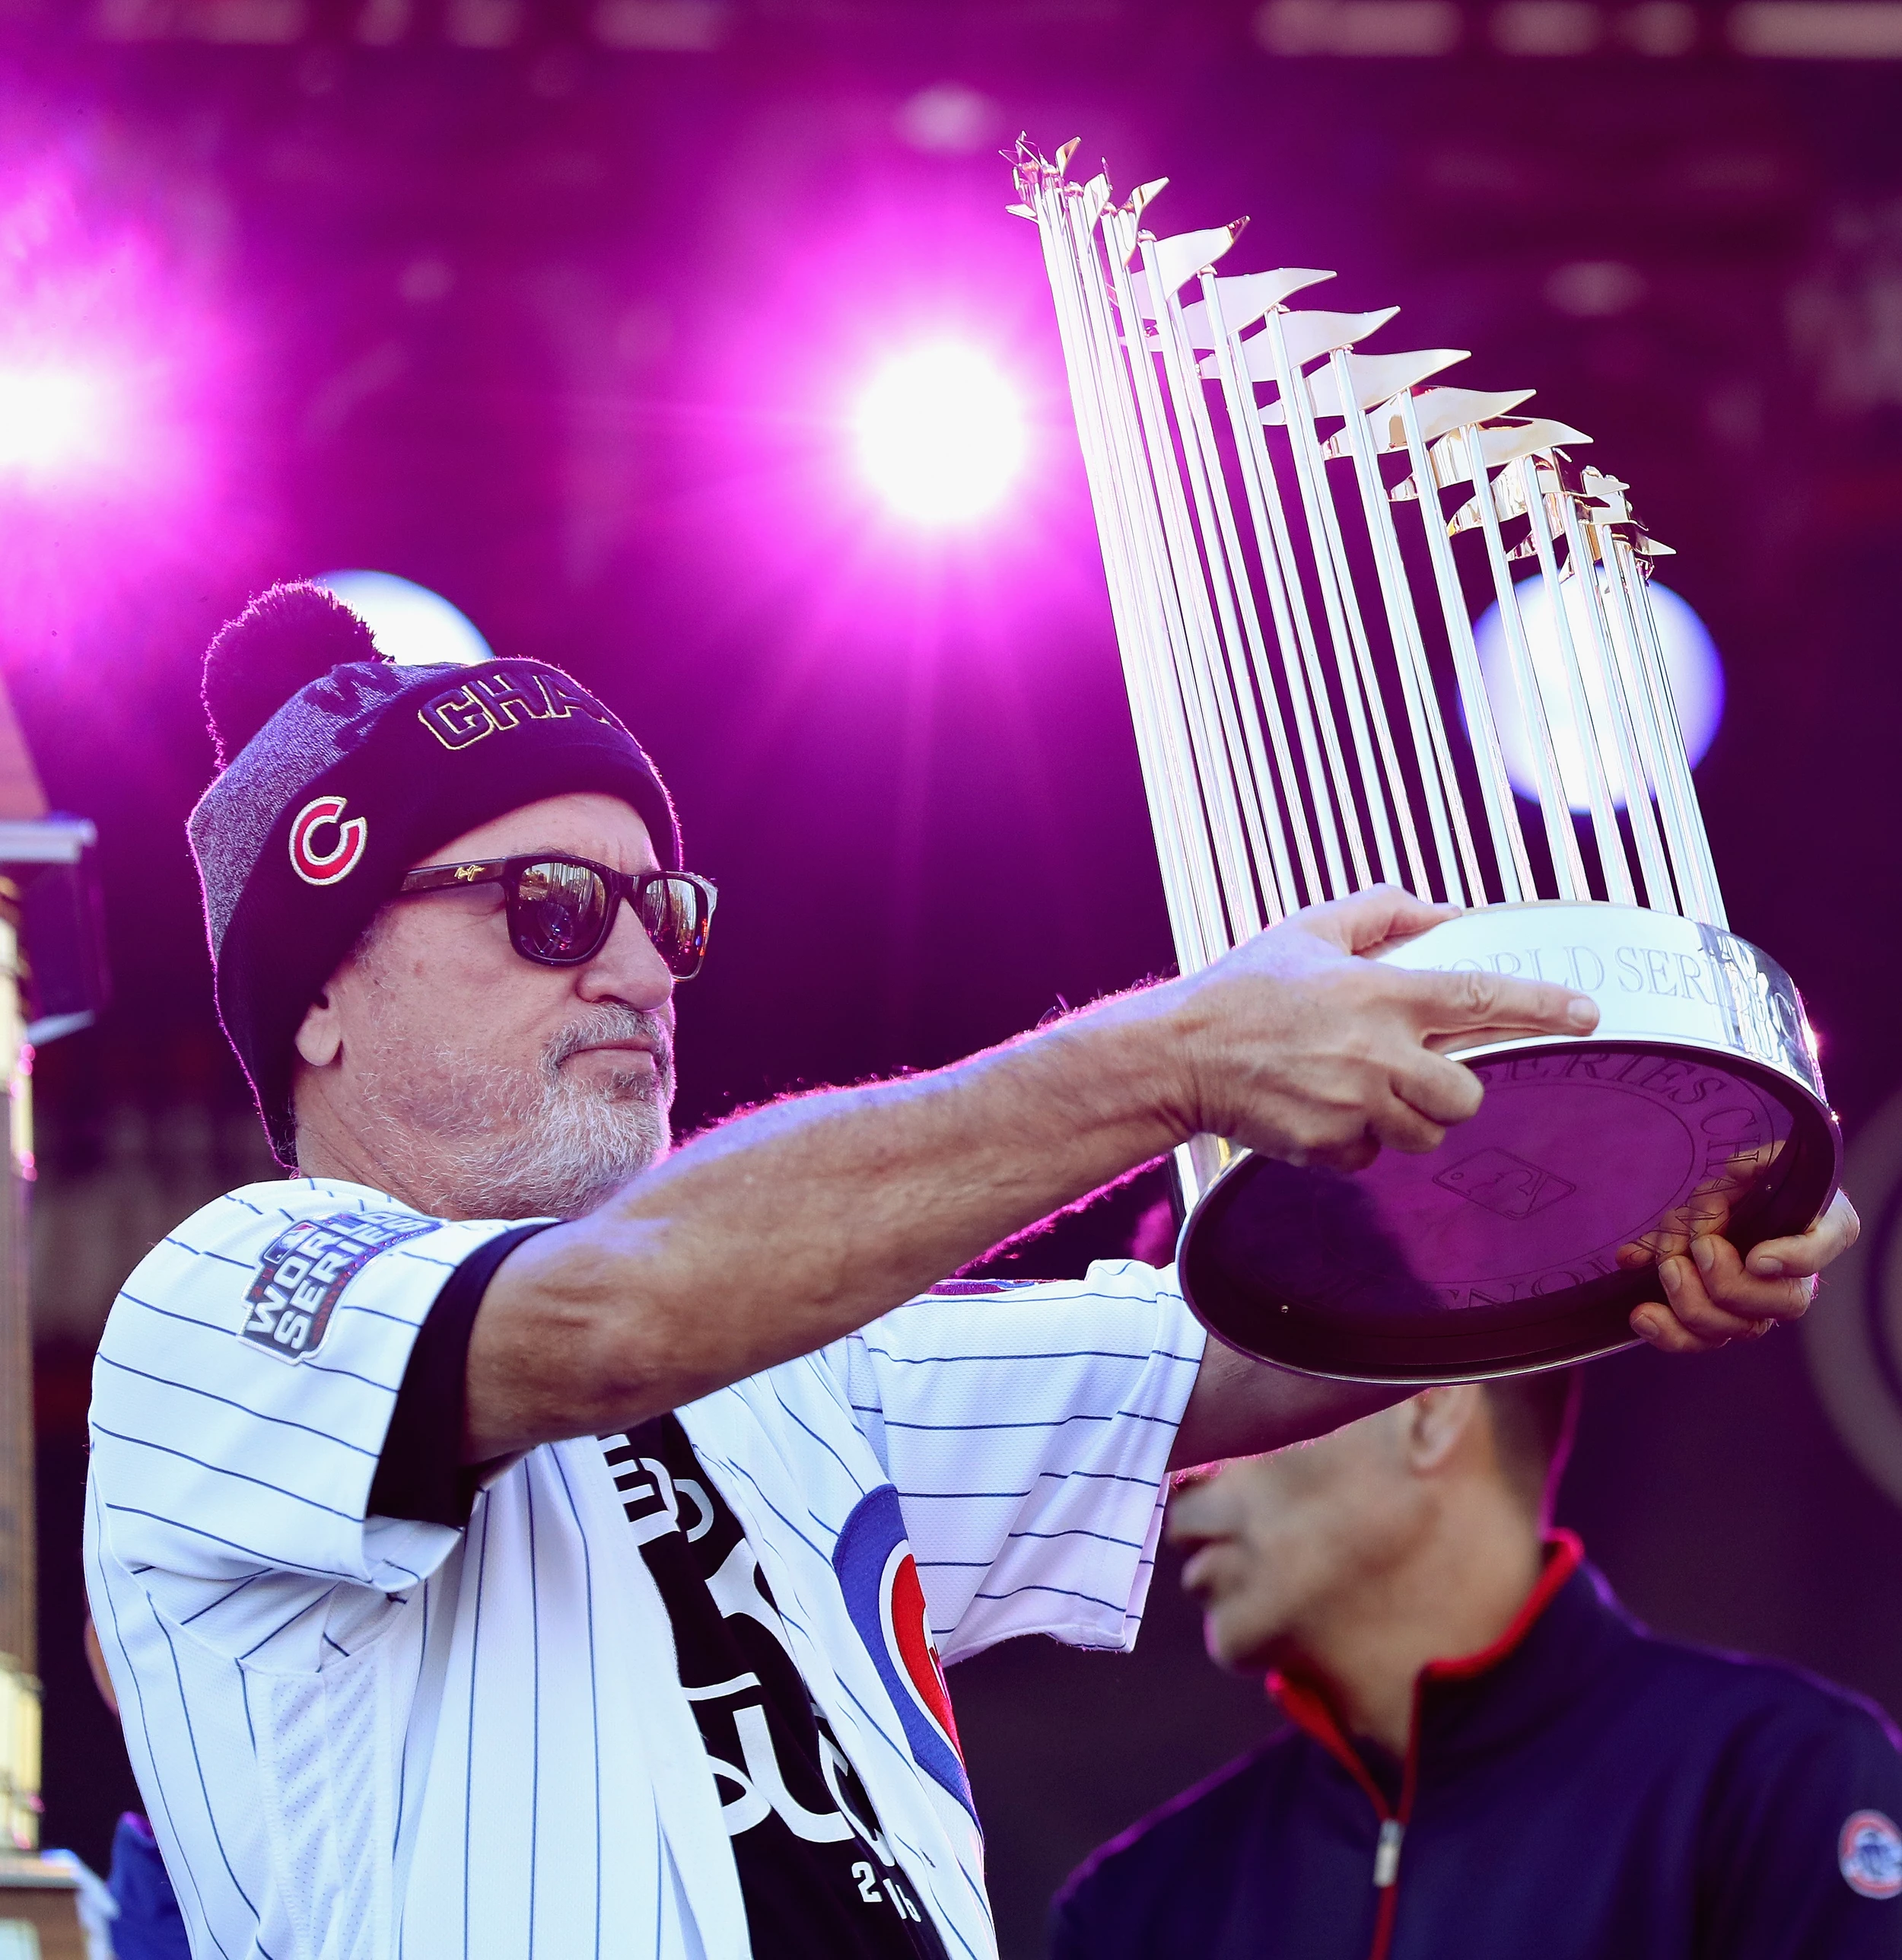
x=150, y=1926
x=1581, y=1791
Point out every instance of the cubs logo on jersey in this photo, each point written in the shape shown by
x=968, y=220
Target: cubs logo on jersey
x=314, y=864
x=1869, y=1852
x=880, y=1578
x=305, y=1269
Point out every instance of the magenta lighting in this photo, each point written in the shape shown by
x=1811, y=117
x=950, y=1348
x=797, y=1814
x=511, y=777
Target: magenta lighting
x=56, y=423
x=941, y=434
x=1691, y=664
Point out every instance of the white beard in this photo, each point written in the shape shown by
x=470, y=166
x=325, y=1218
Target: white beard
x=476, y=1140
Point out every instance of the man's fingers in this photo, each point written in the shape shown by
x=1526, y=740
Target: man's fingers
x=1356, y=1156
x=1372, y=919
x=1685, y=1322
x=1654, y=1324
x=1393, y=1126
x=1728, y=1284
x=1809, y=1252
x=1442, y=1091
x=1400, y=1127
x=1462, y=1009
x=1693, y=1307
x=1691, y=1311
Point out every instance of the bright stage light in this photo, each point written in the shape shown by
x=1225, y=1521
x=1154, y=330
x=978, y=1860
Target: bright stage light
x=411, y=624
x=53, y=420
x=1691, y=664
x=941, y=434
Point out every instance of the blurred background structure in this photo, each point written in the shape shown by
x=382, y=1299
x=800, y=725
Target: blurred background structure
x=623, y=324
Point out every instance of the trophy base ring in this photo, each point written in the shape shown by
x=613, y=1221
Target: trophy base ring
x=1525, y=1240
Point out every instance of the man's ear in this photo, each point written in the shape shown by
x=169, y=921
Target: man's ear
x=321, y=1033
x=1435, y=1423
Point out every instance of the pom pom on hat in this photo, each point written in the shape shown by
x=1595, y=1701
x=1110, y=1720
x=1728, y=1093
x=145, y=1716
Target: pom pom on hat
x=284, y=640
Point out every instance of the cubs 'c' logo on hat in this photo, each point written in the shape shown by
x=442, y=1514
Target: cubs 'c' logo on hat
x=880, y=1578
x=317, y=866
x=1869, y=1852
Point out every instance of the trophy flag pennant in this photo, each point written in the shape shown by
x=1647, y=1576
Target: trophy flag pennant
x=1295, y=529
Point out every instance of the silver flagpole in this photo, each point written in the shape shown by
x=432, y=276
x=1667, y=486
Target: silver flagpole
x=1120, y=553
x=1612, y=867
x=1568, y=867
x=1161, y=736
x=1284, y=772
x=1665, y=705
x=1459, y=865
x=1164, y=648
x=1185, y=387
x=1634, y=633
x=1652, y=740
x=1228, y=577
x=1331, y=787
x=1216, y=758
x=1581, y=569
x=1342, y=625
x=1513, y=867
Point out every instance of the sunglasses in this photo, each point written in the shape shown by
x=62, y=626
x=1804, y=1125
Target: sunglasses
x=562, y=909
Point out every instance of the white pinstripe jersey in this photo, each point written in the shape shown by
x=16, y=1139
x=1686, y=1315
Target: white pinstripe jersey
x=360, y=1736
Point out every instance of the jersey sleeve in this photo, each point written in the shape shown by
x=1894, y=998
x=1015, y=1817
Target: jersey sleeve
x=1800, y=1849
x=1027, y=1429
x=241, y=1397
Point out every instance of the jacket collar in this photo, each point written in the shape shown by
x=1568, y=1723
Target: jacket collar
x=1468, y=1708
x=1564, y=1555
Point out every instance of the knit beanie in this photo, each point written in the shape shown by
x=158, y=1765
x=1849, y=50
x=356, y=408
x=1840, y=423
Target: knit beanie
x=340, y=772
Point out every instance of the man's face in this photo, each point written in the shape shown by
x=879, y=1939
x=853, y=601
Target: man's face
x=491, y=1086
x=1281, y=1546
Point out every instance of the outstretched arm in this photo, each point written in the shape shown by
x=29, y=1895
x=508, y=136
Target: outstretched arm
x=787, y=1228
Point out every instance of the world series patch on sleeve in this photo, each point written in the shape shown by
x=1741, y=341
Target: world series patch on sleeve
x=305, y=1269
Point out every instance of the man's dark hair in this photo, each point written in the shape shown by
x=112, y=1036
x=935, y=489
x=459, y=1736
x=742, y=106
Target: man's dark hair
x=1533, y=1417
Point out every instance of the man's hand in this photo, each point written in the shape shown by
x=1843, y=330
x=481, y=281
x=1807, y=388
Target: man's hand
x=1298, y=1048
x=1712, y=1296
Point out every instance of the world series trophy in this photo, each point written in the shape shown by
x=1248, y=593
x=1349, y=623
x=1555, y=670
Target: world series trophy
x=1291, y=529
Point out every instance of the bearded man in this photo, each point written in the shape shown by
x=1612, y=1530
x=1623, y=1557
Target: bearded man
x=505, y=1537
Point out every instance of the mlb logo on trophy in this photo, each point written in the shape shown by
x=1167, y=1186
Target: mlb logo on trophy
x=1504, y=1183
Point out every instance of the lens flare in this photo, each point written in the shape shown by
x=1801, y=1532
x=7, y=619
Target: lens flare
x=411, y=626
x=1691, y=664
x=941, y=434
x=54, y=422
